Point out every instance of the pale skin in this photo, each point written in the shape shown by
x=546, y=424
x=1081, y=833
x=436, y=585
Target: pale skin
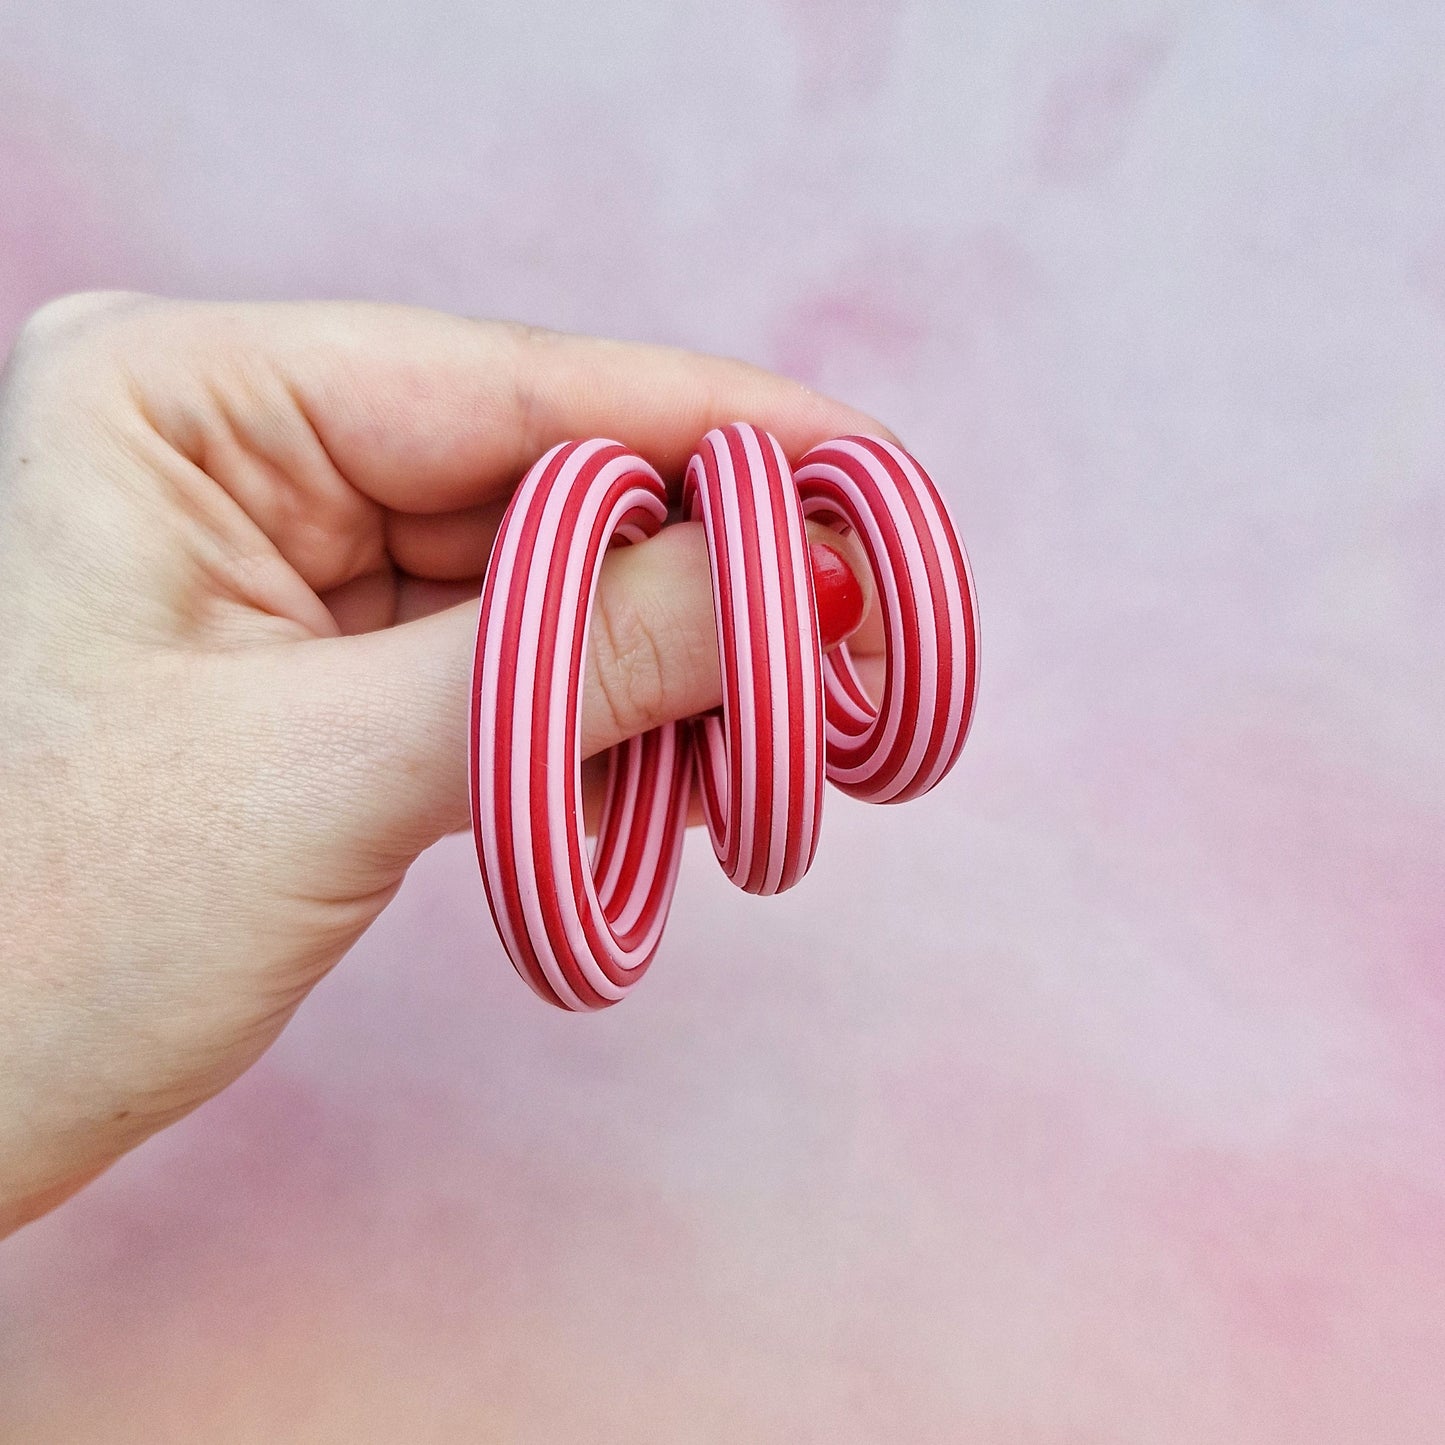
x=239, y=552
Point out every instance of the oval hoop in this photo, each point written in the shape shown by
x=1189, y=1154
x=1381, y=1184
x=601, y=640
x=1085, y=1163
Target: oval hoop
x=902, y=745
x=760, y=765
x=580, y=932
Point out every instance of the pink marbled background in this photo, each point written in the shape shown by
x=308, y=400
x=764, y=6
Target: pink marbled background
x=1098, y=1099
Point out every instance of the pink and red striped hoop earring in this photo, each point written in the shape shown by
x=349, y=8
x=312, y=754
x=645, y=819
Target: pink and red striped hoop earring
x=580, y=932
x=761, y=763
x=903, y=745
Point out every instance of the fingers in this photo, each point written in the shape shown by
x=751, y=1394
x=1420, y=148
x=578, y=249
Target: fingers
x=652, y=647
x=425, y=412
x=362, y=450
x=317, y=444
x=420, y=411
x=404, y=692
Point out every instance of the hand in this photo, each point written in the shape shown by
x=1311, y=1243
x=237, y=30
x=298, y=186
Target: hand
x=239, y=552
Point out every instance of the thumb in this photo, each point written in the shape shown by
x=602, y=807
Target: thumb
x=404, y=692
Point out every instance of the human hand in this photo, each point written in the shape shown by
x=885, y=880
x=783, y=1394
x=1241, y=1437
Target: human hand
x=239, y=552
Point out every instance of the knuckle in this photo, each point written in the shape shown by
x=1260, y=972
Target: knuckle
x=521, y=342
x=71, y=318
x=631, y=676
x=525, y=333
x=66, y=339
x=68, y=384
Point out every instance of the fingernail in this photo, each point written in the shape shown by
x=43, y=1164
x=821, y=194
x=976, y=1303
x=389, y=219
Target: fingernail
x=839, y=594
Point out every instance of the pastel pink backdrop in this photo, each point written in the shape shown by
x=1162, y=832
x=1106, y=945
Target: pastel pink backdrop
x=1099, y=1097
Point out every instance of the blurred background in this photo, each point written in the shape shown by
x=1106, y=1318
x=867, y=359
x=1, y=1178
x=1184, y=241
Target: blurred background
x=1100, y=1096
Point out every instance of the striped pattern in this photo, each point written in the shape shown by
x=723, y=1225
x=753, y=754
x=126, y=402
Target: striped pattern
x=582, y=931
x=903, y=745
x=761, y=763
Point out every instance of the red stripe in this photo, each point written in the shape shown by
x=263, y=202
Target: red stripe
x=529, y=521
x=545, y=881
x=803, y=616
x=753, y=869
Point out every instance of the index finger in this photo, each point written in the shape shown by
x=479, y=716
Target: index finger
x=427, y=412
